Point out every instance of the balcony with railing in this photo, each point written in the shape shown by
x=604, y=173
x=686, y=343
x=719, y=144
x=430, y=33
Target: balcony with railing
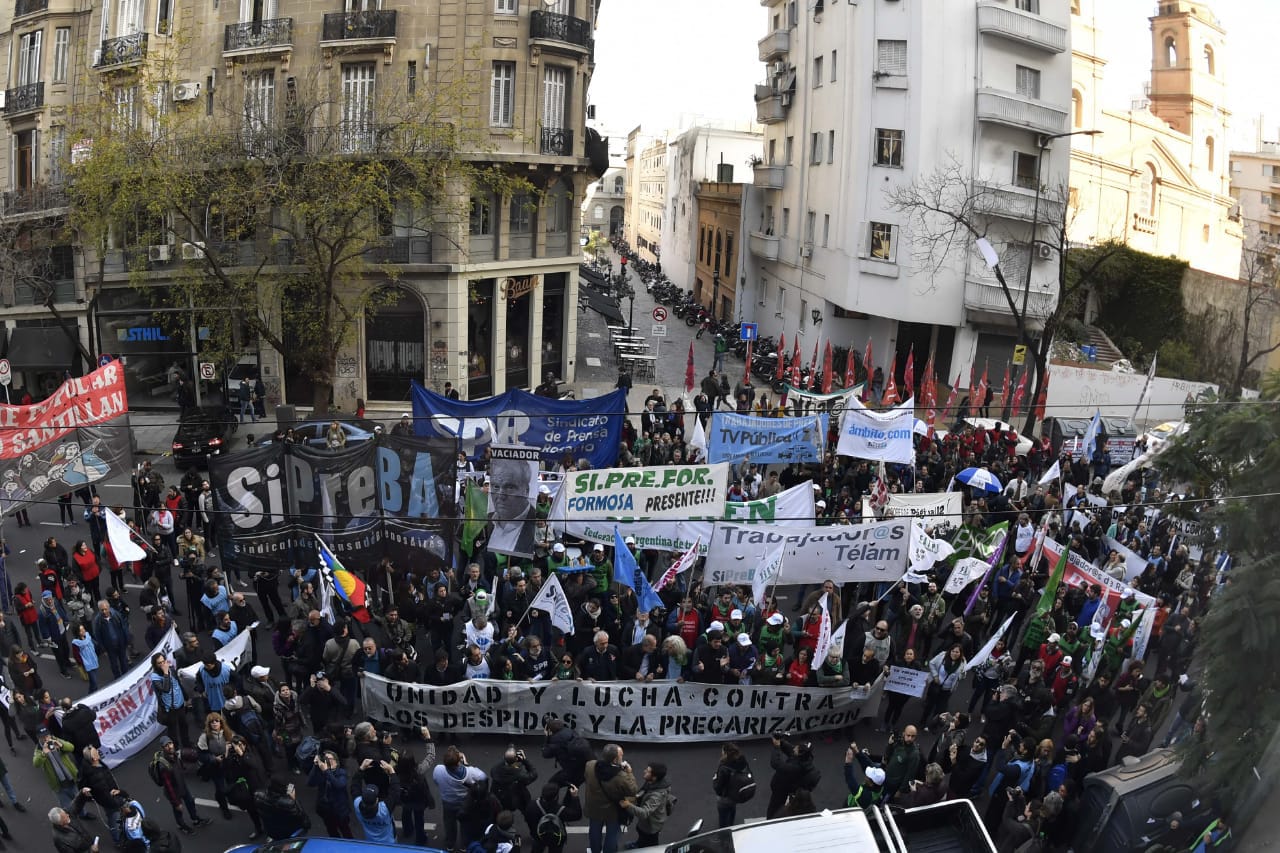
x=984, y=295
x=563, y=33
x=776, y=45
x=1009, y=202
x=24, y=99
x=771, y=105
x=258, y=36
x=1020, y=111
x=41, y=198
x=768, y=177
x=29, y=7
x=125, y=50
x=368, y=25
x=764, y=245
x=557, y=141
x=1024, y=27
x=1145, y=224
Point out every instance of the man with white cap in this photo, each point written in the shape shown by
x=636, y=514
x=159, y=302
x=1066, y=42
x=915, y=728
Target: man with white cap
x=263, y=689
x=601, y=568
x=870, y=790
x=773, y=631
x=1051, y=655
x=405, y=427
x=742, y=658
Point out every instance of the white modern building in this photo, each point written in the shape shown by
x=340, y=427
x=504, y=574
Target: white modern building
x=708, y=151
x=861, y=99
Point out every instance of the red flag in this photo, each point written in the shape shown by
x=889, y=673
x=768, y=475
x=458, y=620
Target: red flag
x=951, y=398
x=795, y=364
x=813, y=367
x=746, y=374
x=826, y=369
x=980, y=396
x=973, y=387
x=891, y=385
x=850, y=376
x=688, y=371
x=1004, y=389
x=1019, y=393
x=782, y=356
x=1042, y=398
x=866, y=364
x=879, y=491
x=930, y=395
x=909, y=375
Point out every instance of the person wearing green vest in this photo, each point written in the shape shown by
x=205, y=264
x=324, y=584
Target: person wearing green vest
x=558, y=559
x=601, y=568
x=1039, y=626
x=1072, y=644
x=870, y=790
x=1215, y=835
x=773, y=632
x=722, y=346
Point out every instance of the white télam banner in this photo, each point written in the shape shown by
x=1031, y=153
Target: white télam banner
x=880, y=436
x=873, y=551
x=126, y=707
x=618, y=710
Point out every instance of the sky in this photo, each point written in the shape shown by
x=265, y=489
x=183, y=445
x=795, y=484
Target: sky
x=658, y=59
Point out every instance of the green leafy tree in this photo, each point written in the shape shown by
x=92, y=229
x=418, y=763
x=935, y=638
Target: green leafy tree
x=1231, y=456
x=283, y=223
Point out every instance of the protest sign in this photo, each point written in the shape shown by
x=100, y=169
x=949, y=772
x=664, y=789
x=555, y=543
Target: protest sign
x=667, y=508
x=925, y=550
x=937, y=509
x=617, y=711
x=910, y=682
x=874, y=551
x=883, y=436
x=1081, y=572
x=734, y=437
x=590, y=429
x=126, y=708
x=791, y=507
x=513, y=491
x=1134, y=564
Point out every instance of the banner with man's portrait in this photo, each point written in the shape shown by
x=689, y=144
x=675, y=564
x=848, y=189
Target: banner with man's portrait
x=513, y=493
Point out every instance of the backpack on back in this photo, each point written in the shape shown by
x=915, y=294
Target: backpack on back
x=250, y=722
x=550, y=829
x=741, y=787
x=157, y=767
x=307, y=750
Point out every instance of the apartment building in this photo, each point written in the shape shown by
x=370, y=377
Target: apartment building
x=647, y=169
x=603, y=209
x=862, y=100
x=485, y=303
x=1255, y=186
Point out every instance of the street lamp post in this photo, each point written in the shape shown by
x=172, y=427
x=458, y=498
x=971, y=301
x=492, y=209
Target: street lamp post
x=993, y=260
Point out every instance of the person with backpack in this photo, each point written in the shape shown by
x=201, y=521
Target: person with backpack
x=570, y=751
x=478, y=812
x=733, y=784
x=329, y=778
x=793, y=770
x=244, y=774
x=511, y=778
x=651, y=806
x=159, y=840
x=166, y=771
x=415, y=793
x=245, y=716
x=451, y=776
x=549, y=815
x=282, y=817
x=609, y=783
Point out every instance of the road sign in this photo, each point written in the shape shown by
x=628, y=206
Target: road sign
x=659, y=330
x=750, y=332
x=6, y=372
x=104, y=359
x=206, y=370
x=659, y=314
x=1019, y=353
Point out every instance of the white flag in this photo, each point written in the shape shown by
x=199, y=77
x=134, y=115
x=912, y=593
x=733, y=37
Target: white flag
x=965, y=572
x=767, y=575
x=683, y=564
x=699, y=439
x=121, y=539
x=234, y=654
x=824, y=633
x=925, y=550
x=552, y=599
x=984, y=654
x=1052, y=474
x=837, y=638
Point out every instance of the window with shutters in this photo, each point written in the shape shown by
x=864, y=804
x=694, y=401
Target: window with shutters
x=61, y=53
x=826, y=228
x=888, y=147
x=815, y=148
x=257, y=10
x=555, y=92
x=29, y=58
x=25, y=150
x=57, y=153
x=817, y=72
x=503, y=95
x=891, y=57
x=810, y=227
x=357, y=106
x=1029, y=6
x=129, y=17
x=1027, y=81
x=164, y=17
x=363, y=5
x=506, y=7
x=831, y=146
x=882, y=245
x=259, y=103
x=126, y=109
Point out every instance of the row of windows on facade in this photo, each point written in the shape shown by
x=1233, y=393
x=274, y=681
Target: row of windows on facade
x=556, y=94
x=715, y=249
x=793, y=11
x=556, y=209
x=881, y=237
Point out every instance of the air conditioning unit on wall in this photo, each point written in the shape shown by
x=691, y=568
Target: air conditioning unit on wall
x=186, y=92
x=158, y=253
x=1044, y=251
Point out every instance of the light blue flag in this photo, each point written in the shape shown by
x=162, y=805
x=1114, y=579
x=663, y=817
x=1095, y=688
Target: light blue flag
x=1091, y=437
x=646, y=598
x=625, y=567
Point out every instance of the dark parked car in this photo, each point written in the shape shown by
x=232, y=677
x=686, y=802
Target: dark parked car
x=202, y=433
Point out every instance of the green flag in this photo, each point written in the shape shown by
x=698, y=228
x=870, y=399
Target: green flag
x=1055, y=580
x=477, y=516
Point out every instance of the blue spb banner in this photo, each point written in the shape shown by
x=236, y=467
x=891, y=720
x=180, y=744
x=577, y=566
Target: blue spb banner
x=589, y=429
x=733, y=437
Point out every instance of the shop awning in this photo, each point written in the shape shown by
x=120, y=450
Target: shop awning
x=40, y=348
x=599, y=302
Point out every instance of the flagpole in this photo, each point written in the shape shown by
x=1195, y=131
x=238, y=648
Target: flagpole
x=773, y=588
